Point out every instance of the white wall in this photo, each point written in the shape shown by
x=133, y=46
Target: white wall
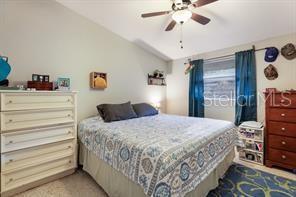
x=44, y=37
x=178, y=82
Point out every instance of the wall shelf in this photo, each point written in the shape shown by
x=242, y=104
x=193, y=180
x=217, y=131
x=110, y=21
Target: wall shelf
x=159, y=81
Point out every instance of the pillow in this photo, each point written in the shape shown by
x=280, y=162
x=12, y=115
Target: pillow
x=116, y=112
x=144, y=109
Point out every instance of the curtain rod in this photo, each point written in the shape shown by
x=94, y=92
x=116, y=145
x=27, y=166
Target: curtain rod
x=230, y=55
x=220, y=57
x=224, y=56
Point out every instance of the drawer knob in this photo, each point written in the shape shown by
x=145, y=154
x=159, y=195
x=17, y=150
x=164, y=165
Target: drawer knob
x=10, y=160
x=11, y=179
x=70, y=161
x=69, y=146
x=10, y=142
x=283, y=129
x=69, y=132
x=283, y=143
x=10, y=120
x=10, y=101
x=284, y=157
x=69, y=100
x=283, y=115
x=69, y=115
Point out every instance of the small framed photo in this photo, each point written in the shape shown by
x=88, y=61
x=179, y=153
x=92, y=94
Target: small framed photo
x=35, y=77
x=63, y=84
x=46, y=78
x=41, y=78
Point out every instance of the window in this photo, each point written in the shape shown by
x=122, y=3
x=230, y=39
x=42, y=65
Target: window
x=219, y=79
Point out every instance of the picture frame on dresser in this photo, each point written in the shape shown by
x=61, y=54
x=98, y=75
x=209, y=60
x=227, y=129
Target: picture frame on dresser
x=280, y=135
x=63, y=84
x=27, y=158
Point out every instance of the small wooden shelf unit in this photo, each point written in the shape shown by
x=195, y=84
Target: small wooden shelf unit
x=253, y=140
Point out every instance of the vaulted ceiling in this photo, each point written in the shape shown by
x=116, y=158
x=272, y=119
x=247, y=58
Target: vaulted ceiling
x=233, y=22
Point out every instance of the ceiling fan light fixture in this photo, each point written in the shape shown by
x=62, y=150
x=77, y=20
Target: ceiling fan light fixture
x=182, y=16
x=178, y=2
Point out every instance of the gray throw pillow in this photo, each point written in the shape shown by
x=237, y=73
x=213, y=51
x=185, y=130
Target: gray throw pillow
x=144, y=109
x=116, y=112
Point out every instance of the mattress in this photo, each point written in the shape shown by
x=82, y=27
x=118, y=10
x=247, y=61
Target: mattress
x=165, y=155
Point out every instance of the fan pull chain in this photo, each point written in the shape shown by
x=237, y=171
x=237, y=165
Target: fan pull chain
x=181, y=39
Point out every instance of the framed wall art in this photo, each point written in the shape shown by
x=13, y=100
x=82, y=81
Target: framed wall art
x=98, y=80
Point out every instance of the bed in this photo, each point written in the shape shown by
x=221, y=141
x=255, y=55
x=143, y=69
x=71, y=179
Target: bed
x=161, y=155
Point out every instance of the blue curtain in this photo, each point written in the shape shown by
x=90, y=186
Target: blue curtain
x=196, y=90
x=245, y=82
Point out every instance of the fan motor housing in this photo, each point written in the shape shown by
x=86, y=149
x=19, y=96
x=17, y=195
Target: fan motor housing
x=180, y=4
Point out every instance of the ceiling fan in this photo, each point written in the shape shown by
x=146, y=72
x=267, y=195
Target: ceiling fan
x=182, y=13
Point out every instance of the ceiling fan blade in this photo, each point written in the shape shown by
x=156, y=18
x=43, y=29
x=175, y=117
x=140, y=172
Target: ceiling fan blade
x=200, y=3
x=155, y=14
x=171, y=26
x=200, y=19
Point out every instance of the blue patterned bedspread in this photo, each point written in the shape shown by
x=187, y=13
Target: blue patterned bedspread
x=166, y=155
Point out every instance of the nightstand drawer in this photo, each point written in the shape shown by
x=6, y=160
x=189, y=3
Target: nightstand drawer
x=281, y=156
x=282, y=128
x=28, y=101
x=28, y=175
x=31, y=119
x=17, y=160
x=283, y=143
x=280, y=114
x=19, y=140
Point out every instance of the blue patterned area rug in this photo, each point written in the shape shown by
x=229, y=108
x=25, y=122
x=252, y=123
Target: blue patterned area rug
x=243, y=181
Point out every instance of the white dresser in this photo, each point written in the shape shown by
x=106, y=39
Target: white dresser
x=38, y=138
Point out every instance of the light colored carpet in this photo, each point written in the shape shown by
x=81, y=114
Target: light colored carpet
x=79, y=184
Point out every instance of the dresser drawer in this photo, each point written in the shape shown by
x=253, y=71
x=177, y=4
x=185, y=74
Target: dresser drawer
x=281, y=156
x=21, y=177
x=32, y=119
x=280, y=114
x=19, y=140
x=283, y=143
x=283, y=100
x=33, y=156
x=282, y=128
x=27, y=101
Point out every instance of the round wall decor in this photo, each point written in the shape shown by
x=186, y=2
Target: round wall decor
x=271, y=72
